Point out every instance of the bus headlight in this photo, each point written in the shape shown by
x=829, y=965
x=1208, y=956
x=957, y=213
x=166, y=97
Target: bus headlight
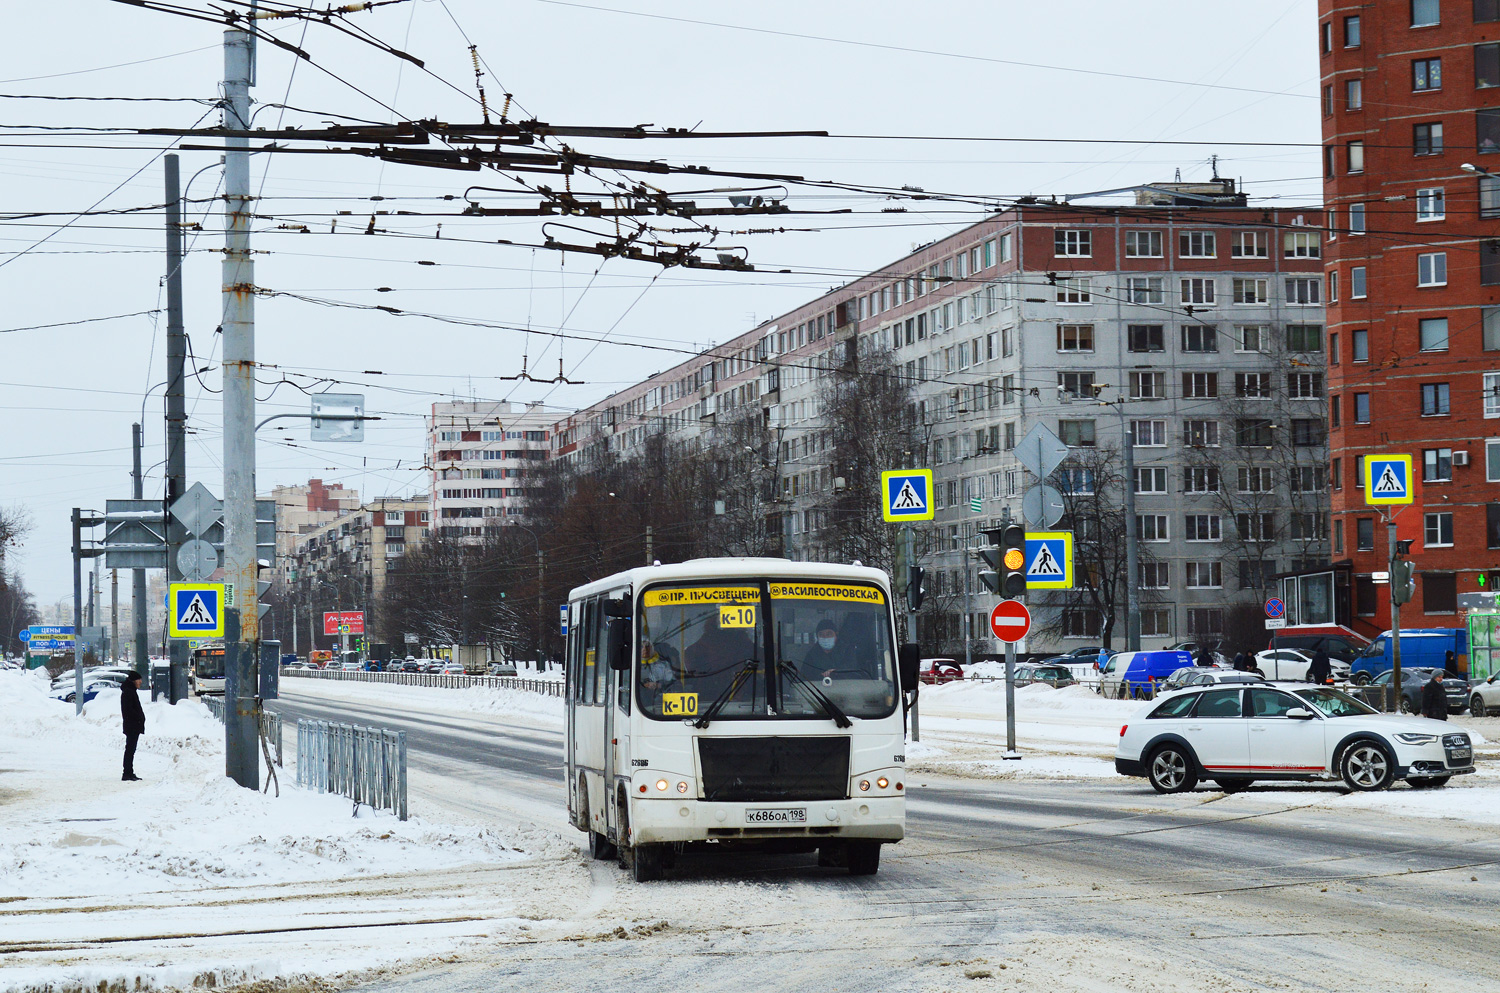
x=661, y=784
x=682, y=787
x=864, y=786
x=882, y=782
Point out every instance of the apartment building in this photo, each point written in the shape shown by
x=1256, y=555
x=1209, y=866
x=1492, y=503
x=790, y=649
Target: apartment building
x=1187, y=324
x=301, y=508
x=1411, y=132
x=483, y=456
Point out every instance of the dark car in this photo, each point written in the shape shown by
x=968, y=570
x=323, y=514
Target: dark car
x=1337, y=648
x=1053, y=675
x=411, y=665
x=1412, y=681
x=1199, y=675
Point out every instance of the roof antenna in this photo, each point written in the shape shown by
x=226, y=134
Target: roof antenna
x=1213, y=161
x=1178, y=179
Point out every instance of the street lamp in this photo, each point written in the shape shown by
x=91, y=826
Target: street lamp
x=1477, y=170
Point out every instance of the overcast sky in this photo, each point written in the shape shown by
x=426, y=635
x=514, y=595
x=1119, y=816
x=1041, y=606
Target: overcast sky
x=1240, y=78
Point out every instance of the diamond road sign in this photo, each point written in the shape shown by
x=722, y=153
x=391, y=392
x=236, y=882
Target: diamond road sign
x=197, y=509
x=1041, y=451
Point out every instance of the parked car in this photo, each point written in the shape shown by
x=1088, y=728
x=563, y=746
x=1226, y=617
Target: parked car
x=501, y=669
x=92, y=685
x=1235, y=735
x=1337, y=647
x=1420, y=647
x=1136, y=673
x=1191, y=647
x=1202, y=675
x=1412, y=681
x=1294, y=663
x=1053, y=675
x=938, y=671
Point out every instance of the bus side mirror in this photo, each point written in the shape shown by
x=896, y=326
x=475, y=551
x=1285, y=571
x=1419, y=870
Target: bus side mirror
x=616, y=608
x=618, y=644
x=909, y=663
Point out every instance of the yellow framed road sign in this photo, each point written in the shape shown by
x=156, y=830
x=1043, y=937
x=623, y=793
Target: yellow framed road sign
x=1388, y=480
x=195, y=610
x=906, y=495
x=1049, y=560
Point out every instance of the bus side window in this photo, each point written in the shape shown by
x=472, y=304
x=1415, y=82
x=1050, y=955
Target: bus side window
x=587, y=661
x=570, y=654
x=601, y=664
x=624, y=679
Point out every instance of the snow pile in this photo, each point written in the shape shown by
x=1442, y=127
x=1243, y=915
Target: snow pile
x=187, y=853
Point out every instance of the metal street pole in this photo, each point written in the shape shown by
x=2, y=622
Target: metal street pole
x=1390, y=532
x=1132, y=552
x=114, y=615
x=1010, y=678
x=176, y=418
x=138, y=608
x=77, y=613
x=968, y=610
x=241, y=754
x=911, y=630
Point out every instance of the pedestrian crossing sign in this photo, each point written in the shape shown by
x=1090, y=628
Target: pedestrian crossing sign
x=908, y=494
x=195, y=610
x=1388, y=480
x=1049, y=560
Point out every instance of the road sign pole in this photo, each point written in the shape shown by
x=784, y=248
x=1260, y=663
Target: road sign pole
x=176, y=418
x=911, y=633
x=1390, y=531
x=138, y=608
x=77, y=613
x=1132, y=553
x=1010, y=678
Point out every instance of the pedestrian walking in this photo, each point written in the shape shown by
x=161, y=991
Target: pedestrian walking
x=1450, y=663
x=1435, y=698
x=1241, y=662
x=1205, y=658
x=134, y=719
x=1320, y=670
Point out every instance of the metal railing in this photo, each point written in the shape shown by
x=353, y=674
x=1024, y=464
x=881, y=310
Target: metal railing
x=546, y=687
x=270, y=724
x=367, y=765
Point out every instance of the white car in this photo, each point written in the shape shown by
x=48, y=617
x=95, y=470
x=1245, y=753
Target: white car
x=1293, y=663
x=1235, y=735
x=1484, y=697
x=452, y=669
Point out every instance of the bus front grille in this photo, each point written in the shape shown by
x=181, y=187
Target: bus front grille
x=749, y=769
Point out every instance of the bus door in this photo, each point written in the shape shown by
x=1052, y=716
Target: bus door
x=616, y=733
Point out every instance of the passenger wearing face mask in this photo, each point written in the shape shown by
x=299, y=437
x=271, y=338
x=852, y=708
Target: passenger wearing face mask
x=824, y=657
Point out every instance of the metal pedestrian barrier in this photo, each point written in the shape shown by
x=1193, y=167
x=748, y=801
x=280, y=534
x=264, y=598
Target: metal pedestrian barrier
x=365, y=764
x=546, y=687
x=270, y=723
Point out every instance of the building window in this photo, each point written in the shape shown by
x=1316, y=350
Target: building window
x=1152, y=527
x=1359, y=343
x=1249, y=245
x=1200, y=479
x=1354, y=95
x=1364, y=534
x=1072, y=243
x=1489, y=196
x=1433, y=333
x=1427, y=74
x=1356, y=218
x=1076, y=482
x=1357, y=283
x=1202, y=527
x=1361, y=408
x=1254, y=479
x=1143, y=244
x=1336, y=474
x=1307, y=527
x=1255, y=527
x=1204, y=575
x=1439, y=593
x=1308, y=432
x=1489, y=262
x=1424, y=13
x=1437, y=465
x=1432, y=269
x=1304, y=337
x=1145, y=338
x=1151, y=479
x=1008, y=390
x=1155, y=575
x=1251, y=338
x=1146, y=289
x=1253, y=433
x=1200, y=338
x=1205, y=622
x=1487, y=130
x=1431, y=204
x=1492, y=525
x=1196, y=245
x=1486, y=11
x=1252, y=385
x=1435, y=399
x=1200, y=385
x=1325, y=36
x=1351, y=31
x=1249, y=290
x=1075, y=337
x=1076, y=384
x=1427, y=139
x=1148, y=385
x=1304, y=292
x=1492, y=394
x=1306, y=479
x=1301, y=245
x=1197, y=291
x=1356, y=154
x=1304, y=385
x=1080, y=623
x=1148, y=434
x=1200, y=434
x=1074, y=290
x=1437, y=530
x=1076, y=434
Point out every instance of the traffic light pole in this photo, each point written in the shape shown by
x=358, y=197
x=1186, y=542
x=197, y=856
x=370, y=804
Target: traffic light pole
x=911, y=629
x=1390, y=531
x=1010, y=676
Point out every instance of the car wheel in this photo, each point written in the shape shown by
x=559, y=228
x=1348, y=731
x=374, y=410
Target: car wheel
x=1233, y=785
x=1476, y=706
x=1361, y=679
x=1366, y=767
x=1407, y=706
x=1170, y=770
x=864, y=858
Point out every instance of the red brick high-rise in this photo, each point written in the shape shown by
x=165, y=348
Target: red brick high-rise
x=1410, y=100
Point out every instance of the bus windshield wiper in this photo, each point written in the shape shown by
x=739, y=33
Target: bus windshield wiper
x=723, y=698
x=817, y=696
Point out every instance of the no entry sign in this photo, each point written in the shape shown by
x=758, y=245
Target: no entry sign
x=1010, y=620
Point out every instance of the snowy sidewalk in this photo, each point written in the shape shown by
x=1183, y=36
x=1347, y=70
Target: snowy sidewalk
x=188, y=880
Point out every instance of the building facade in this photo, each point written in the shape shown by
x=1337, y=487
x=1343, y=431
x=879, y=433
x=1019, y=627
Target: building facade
x=1411, y=129
x=1187, y=324
x=484, y=457
x=301, y=508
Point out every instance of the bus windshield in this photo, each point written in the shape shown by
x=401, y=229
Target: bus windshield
x=703, y=642
x=208, y=663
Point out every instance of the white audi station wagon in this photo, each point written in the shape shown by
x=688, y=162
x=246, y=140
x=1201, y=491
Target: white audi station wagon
x=1235, y=735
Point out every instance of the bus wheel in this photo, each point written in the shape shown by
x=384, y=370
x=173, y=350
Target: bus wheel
x=581, y=811
x=864, y=858
x=601, y=847
x=647, y=863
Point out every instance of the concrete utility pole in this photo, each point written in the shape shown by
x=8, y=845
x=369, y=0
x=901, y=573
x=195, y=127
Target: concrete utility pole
x=176, y=426
x=138, y=608
x=77, y=611
x=1132, y=557
x=114, y=615
x=241, y=656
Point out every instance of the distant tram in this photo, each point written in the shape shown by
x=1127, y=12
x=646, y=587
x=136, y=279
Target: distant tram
x=737, y=704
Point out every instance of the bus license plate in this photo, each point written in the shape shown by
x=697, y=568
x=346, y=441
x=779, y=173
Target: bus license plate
x=793, y=815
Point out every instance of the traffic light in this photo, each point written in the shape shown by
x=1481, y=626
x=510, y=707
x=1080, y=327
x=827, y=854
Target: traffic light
x=914, y=591
x=1403, y=581
x=1006, y=559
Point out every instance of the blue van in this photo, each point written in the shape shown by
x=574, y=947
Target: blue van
x=1420, y=647
x=1130, y=674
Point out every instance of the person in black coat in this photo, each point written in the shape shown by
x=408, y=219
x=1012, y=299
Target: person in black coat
x=1435, y=698
x=134, y=719
x=1205, y=658
x=1320, y=668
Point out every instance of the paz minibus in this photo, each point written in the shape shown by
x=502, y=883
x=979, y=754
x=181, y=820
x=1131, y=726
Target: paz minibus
x=737, y=703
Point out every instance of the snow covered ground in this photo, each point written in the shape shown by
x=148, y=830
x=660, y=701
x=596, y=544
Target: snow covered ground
x=188, y=880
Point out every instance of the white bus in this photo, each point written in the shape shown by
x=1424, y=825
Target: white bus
x=737, y=703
